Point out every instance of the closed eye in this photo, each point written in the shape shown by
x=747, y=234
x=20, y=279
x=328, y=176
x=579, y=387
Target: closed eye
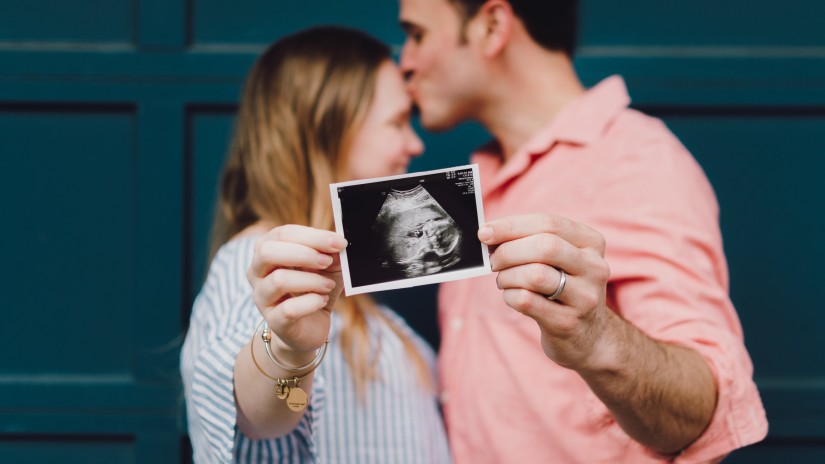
x=414, y=33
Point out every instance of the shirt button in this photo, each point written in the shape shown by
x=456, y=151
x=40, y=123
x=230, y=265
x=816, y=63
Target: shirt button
x=457, y=323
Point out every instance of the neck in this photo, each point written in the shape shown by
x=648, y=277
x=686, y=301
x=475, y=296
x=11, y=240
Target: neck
x=527, y=93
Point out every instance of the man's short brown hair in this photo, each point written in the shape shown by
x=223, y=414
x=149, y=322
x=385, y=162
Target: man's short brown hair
x=553, y=24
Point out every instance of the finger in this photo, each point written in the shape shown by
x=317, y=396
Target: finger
x=545, y=280
x=543, y=248
x=553, y=317
x=297, y=307
x=336, y=263
x=270, y=255
x=317, y=239
x=514, y=227
x=537, y=278
x=282, y=282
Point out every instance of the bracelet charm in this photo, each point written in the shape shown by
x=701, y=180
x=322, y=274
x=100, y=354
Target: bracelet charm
x=281, y=390
x=297, y=399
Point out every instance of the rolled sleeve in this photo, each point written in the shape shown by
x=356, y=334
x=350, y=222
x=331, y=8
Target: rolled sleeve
x=213, y=396
x=669, y=279
x=207, y=364
x=739, y=419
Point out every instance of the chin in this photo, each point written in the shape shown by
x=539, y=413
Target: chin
x=389, y=171
x=437, y=123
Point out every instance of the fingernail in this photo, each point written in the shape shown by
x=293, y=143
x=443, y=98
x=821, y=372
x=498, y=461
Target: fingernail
x=329, y=284
x=338, y=242
x=485, y=234
x=324, y=260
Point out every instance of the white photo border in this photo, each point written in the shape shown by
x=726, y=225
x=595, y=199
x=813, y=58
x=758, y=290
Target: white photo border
x=477, y=271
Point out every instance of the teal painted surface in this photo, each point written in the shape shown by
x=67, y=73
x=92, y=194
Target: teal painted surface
x=115, y=117
x=56, y=181
x=803, y=452
x=748, y=23
x=210, y=131
x=255, y=21
x=67, y=451
x=57, y=21
x=767, y=167
x=163, y=25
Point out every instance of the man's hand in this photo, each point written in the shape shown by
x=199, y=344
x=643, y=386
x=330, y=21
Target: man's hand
x=530, y=253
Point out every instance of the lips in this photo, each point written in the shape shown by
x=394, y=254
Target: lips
x=412, y=92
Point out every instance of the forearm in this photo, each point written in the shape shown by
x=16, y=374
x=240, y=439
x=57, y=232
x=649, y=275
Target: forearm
x=553, y=270
x=662, y=395
x=296, y=279
x=261, y=414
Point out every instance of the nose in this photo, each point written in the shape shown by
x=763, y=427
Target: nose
x=406, y=62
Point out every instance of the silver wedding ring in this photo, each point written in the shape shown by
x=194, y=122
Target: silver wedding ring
x=562, y=281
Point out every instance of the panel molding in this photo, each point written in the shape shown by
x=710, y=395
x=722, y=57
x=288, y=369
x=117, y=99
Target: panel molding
x=159, y=239
x=795, y=407
x=699, y=51
x=69, y=23
x=112, y=395
x=194, y=261
x=689, y=80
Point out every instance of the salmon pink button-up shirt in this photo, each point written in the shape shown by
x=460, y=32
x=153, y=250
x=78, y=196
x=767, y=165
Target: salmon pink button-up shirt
x=625, y=175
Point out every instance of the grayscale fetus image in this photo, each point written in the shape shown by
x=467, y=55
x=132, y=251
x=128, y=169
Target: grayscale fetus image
x=419, y=237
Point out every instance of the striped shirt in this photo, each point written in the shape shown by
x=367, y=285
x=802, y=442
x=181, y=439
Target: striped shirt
x=399, y=421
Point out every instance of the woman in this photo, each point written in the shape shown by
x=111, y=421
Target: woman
x=321, y=106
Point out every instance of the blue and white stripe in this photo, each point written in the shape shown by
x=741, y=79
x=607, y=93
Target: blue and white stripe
x=398, y=422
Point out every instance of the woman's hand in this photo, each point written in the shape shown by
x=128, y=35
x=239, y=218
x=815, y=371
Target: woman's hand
x=296, y=280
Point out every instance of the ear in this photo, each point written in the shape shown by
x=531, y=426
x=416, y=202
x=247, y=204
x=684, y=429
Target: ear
x=494, y=25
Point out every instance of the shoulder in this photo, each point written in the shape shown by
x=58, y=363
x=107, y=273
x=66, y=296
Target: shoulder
x=240, y=247
x=231, y=261
x=638, y=137
x=632, y=128
x=226, y=283
x=643, y=144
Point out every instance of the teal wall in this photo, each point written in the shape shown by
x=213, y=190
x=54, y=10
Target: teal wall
x=115, y=116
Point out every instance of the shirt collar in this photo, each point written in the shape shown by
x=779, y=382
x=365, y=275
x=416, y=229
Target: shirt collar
x=580, y=122
x=584, y=119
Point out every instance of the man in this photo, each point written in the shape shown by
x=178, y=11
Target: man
x=646, y=355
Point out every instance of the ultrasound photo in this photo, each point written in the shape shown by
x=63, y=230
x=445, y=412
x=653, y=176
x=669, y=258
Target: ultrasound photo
x=410, y=230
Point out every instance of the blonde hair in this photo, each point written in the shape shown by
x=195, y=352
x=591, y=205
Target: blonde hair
x=302, y=102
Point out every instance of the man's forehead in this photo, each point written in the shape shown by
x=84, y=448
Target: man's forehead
x=411, y=10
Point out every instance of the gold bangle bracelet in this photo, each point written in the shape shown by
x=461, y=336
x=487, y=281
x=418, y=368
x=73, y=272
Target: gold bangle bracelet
x=316, y=362
x=288, y=389
x=266, y=336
